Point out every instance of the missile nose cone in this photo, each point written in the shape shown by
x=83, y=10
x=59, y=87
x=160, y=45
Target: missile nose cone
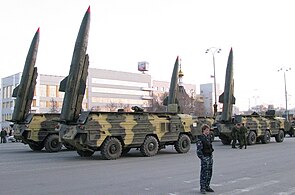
x=38, y=30
x=88, y=10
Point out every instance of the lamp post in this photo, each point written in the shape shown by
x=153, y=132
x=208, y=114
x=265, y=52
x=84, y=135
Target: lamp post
x=214, y=50
x=286, y=94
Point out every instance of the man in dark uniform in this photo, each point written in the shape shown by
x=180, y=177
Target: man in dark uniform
x=3, y=136
x=243, y=136
x=204, y=152
x=235, y=133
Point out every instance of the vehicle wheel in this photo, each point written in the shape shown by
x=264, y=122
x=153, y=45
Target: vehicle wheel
x=111, y=149
x=150, y=146
x=68, y=146
x=85, y=153
x=266, y=138
x=280, y=136
x=252, y=138
x=125, y=151
x=183, y=144
x=226, y=141
x=52, y=143
x=36, y=147
x=291, y=132
x=212, y=136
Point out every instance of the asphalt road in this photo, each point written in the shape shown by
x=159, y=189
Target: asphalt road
x=261, y=169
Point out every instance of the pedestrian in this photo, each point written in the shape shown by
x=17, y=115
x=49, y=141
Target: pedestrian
x=243, y=136
x=3, y=136
x=235, y=133
x=205, y=154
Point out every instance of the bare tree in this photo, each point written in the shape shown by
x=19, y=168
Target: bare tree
x=112, y=107
x=96, y=108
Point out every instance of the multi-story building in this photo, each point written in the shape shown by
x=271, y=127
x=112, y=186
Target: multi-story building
x=106, y=90
x=109, y=90
x=207, y=91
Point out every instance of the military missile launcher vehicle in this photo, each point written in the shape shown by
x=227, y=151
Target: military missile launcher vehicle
x=37, y=130
x=115, y=133
x=260, y=128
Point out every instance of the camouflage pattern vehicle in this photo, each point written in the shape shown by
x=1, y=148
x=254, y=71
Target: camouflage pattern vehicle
x=291, y=130
x=115, y=133
x=260, y=128
x=38, y=130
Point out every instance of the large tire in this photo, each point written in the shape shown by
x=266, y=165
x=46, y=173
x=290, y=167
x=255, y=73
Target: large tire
x=36, y=147
x=226, y=141
x=266, y=138
x=150, y=146
x=111, y=149
x=280, y=136
x=183, y=144
x=52, y=143
x=291, y=132
x=252, y=138
x=85, y=153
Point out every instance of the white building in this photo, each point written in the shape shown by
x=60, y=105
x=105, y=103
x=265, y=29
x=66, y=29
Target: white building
x=105, y=90
x=207, y=91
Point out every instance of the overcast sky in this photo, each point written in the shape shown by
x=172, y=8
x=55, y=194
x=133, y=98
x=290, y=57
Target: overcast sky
x=124, y=32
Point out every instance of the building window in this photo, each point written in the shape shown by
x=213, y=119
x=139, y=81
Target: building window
x=43, y=91
x=52, y=91
x=34, y=103
x=119, y=91
x=118, y=82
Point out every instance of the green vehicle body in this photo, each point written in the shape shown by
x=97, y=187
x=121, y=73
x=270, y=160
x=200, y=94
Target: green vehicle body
x=38, y=130
x=260, y=128
x=115, y=133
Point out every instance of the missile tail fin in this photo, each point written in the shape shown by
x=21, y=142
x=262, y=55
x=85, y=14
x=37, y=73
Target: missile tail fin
x=63, y=85
x=233, y=100
x=221, y=98
x=15, y=91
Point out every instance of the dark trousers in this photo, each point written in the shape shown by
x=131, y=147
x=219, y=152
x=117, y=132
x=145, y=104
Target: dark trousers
x=3, y=139
x=206, y=172
x=234, y=142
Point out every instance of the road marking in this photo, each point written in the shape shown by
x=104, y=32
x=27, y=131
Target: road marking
x=191, y=181
x=231, y=182
x=290, y=191
x=251, y=188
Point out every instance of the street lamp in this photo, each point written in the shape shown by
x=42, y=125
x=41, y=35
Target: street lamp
x=286, y=94
x=214, y=50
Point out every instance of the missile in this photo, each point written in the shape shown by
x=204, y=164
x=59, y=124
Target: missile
x=227, y=97
x=171, y=101
x=24, y=92
x=174, y=83
x=74, y=84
